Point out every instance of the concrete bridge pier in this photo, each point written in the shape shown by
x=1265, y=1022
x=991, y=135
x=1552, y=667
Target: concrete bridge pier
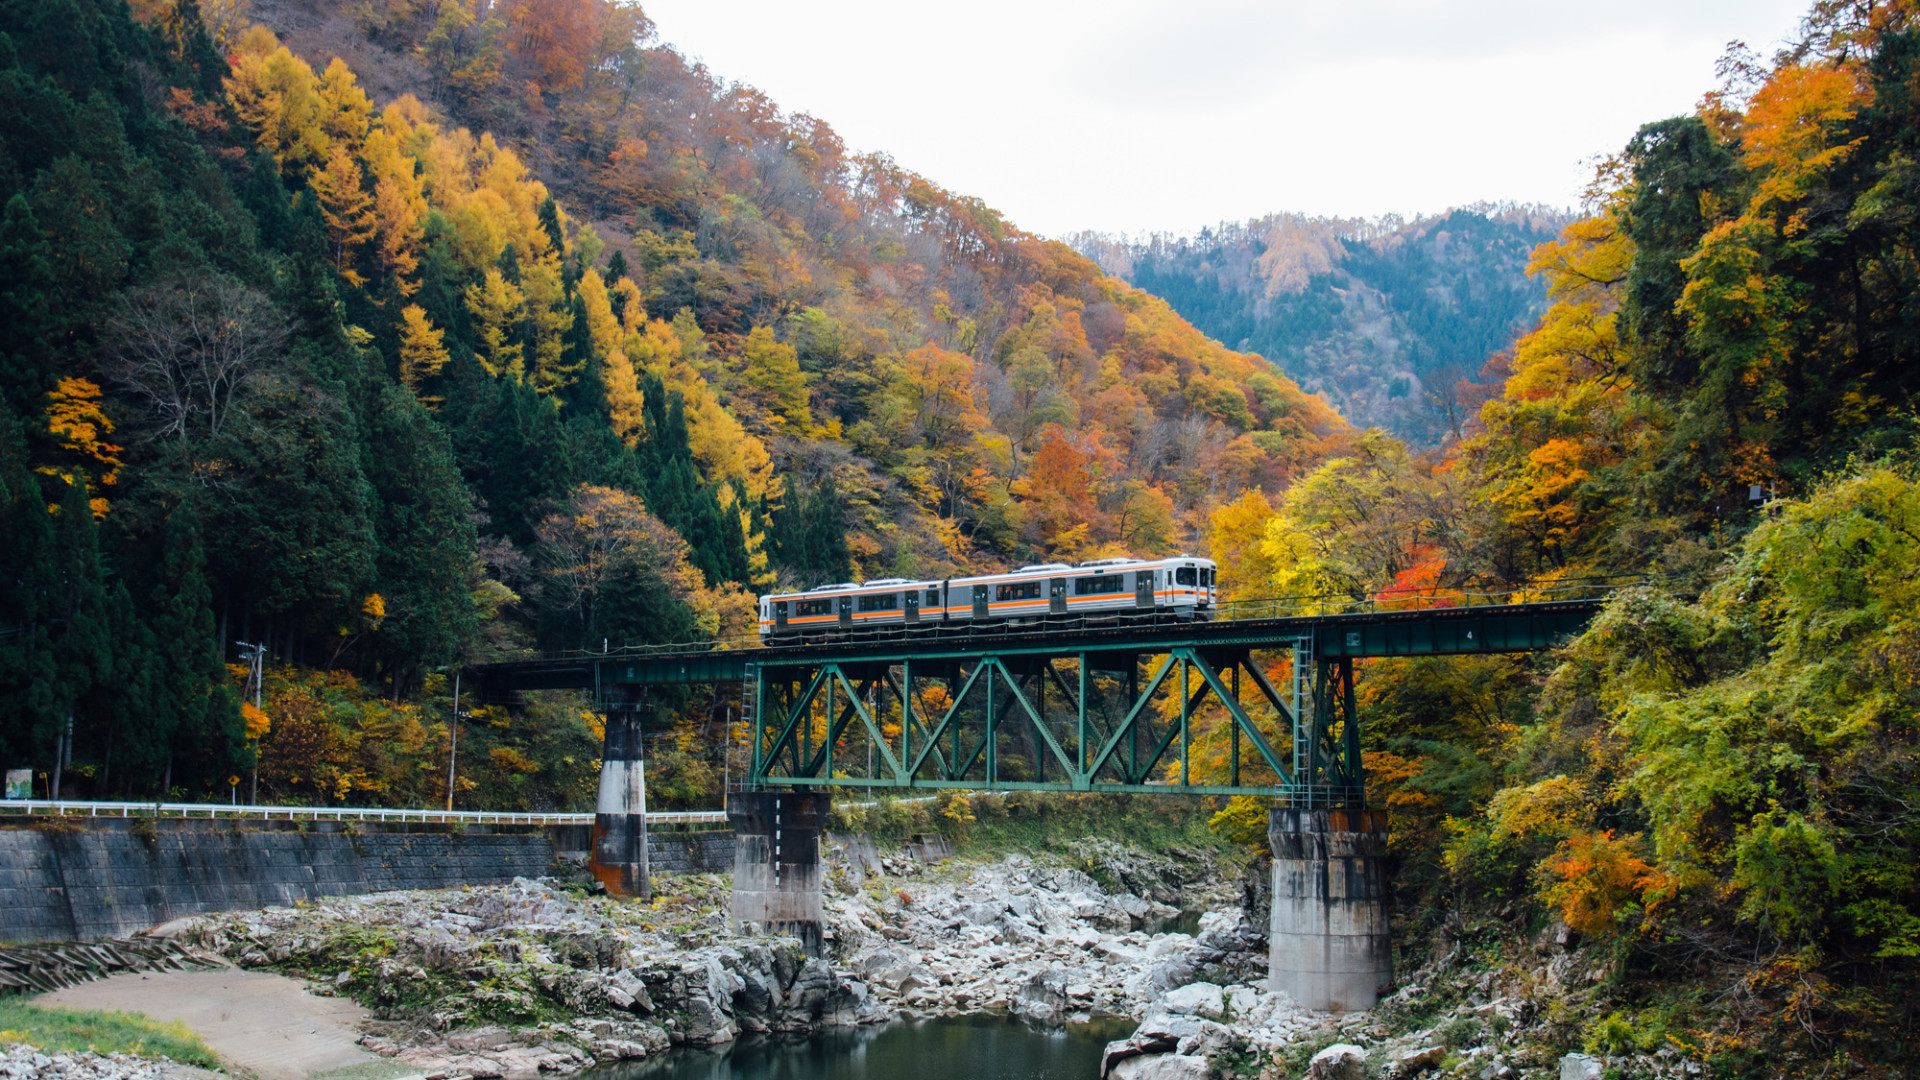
x=1330, y=946
x=776, y=863
x=620, y=816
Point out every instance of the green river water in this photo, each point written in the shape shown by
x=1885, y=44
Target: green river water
x=988, y=1047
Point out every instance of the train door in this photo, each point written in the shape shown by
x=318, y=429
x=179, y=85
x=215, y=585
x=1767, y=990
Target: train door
x=1143, y=590
x=780, y=615
x=846, y=612
x=979, y=601
x=911, y=608
x=1057, y=596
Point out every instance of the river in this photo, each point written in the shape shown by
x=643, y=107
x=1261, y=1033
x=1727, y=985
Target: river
x=981, y=1047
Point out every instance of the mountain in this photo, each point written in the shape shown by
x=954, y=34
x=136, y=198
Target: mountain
x=1385, y=318
x=389, y=335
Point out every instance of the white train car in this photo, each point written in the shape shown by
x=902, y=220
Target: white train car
x=1182, y=587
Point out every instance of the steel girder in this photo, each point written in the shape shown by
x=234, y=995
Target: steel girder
x=1433, y=631
x=1077, y=721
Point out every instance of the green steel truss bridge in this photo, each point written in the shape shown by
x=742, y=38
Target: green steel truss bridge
x=1090, y=707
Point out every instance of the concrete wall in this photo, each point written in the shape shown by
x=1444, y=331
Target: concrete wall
x=67, y=882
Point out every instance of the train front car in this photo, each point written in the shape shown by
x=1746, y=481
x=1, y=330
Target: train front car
x=1187, y=587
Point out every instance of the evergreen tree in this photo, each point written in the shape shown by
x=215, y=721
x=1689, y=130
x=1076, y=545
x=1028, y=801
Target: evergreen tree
x=27, y=303
x=28, y=592
x=550, y=221
x=425, y=537
x=83, y=638
x=266, y=199
x=188, y=659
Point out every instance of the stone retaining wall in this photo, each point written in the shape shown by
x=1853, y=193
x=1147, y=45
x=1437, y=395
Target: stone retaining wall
x=67, y=881
x=709, y=852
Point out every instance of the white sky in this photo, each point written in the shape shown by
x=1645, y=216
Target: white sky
x=1142, y=115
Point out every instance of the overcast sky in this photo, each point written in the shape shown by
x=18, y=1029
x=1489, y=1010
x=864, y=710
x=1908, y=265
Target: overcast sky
x=1143, y=115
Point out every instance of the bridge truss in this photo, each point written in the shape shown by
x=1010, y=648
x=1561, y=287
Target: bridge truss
x=1037, y=717
x=1092, y=708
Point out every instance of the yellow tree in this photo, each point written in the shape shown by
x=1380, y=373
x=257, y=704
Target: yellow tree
x=347, y=208
x=422, y=353
x=774, y=377
x=345, y=110
x=1234, y=540
x=278, y=98
x=399, y=206
x=1351, y=527
x=549, y=318
x=496, y=307
x=617, y=377
x=74, y=418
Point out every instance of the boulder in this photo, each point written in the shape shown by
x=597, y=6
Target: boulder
x=1341, y=1061
x=1581, y=1067
x=1161, y=1067
x=1043, y=997
x=1196, y=999
x=1419, y=1060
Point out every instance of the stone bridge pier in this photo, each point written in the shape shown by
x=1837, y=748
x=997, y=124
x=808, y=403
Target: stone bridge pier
x=1330, y=946
x=777, y=882
x=620, y=815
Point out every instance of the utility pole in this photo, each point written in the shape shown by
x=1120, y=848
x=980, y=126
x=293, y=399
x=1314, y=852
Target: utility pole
x=255, y=655
x=453, y=746
x=61, y=749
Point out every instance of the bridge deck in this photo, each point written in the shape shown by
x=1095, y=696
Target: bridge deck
x=1375, y=632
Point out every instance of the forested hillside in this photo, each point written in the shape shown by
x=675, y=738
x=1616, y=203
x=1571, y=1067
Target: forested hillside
x=1716, y=785
x=552, y=340
x=1393, y=321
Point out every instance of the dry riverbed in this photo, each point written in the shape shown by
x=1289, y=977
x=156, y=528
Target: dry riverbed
x=539, y=977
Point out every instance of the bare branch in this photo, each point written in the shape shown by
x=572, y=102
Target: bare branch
x=188, y=346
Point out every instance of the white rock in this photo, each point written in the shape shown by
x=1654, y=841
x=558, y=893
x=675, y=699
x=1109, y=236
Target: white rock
x=1161, y=1067
x=1165, y=945
x=1341, y=1061
x=1196, y=999
x=1581, y=1067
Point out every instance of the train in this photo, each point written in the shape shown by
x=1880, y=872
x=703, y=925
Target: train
x=1181, y=588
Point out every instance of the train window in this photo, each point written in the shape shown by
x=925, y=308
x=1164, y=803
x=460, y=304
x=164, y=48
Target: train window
x=880, y=602
x=780, y=606
x=813, y=607
x=1185, y=576
x=1104, y=583
x=933, y=597
x=1206, y=576
x=1017, y=590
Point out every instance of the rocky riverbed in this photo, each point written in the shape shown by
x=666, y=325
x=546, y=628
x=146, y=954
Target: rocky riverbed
x=541, y=977
x=21, y=1062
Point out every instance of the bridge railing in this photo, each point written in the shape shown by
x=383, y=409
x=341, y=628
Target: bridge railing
x=215, y=811
x=1432, y=598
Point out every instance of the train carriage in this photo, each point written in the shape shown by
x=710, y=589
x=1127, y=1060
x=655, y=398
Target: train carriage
x=1182, y=587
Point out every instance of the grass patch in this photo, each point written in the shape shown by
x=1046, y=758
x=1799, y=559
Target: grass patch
x=988, y=823
x=57, y=1030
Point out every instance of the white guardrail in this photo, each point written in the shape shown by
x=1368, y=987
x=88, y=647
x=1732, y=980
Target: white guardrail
x=331, y=813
